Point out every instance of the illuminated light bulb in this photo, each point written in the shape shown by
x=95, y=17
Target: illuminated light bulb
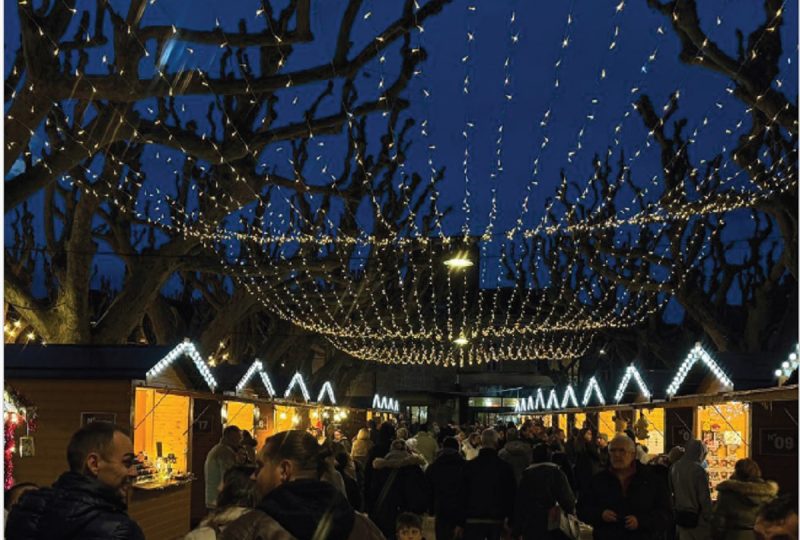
x=458, y=262
x=785, y=365
x=295, y=420
x=793, y=357
x=461, y=341
x=778, y=372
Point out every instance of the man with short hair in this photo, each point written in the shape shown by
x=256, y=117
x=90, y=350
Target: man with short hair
x=219, y=459
x=88, y=502
x=445, y=476
x=625, y=501
x=777, y=520
x=489, y=492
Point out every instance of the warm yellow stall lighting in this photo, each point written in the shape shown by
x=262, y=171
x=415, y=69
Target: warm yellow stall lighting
x=458, y=262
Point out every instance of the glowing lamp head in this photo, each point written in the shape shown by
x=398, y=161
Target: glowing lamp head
x=461, y=341
x=458, y=261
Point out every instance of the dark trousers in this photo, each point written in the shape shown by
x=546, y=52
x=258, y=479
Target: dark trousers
x=483, y=531
x=445, y=528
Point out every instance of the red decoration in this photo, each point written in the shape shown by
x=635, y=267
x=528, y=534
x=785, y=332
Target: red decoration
x=11, y=421
x=8, y=453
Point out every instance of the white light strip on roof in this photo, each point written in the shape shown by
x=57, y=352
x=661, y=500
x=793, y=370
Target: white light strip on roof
x=588, y=392
x=631, y=372
x=698, y=353
x=569, y=395
x=255, y=366
x=327, y=389
x=297, y=379
x=186, y=348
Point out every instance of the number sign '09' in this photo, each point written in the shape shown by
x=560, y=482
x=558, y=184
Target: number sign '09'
x=778, y=441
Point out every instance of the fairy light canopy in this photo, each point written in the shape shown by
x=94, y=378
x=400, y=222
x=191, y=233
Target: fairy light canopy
x=420, y=284
x=698, y=355
x=184, y=349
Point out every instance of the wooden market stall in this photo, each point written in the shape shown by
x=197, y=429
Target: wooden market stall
x=148, y=391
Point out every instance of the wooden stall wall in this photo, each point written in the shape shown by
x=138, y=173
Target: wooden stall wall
x=774, y=442
x=162, y=514
x=60, y=404
x=205, y=433
x=679, y=422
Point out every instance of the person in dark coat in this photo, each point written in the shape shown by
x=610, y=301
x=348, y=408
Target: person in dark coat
x=560, y=458
x=398, y=485
x=89, y=501
x=625, y=501
x=445, y=480
x=587, y=460
x=489, y=492
x=295, y=503
x=386, y=435
x=543, y=485
x=517, y=453
x=739, y=501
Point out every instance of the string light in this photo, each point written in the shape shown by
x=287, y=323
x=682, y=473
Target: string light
x=552, y=400
x=187, y=348
x=569, y=397
x=790, y=365
x=384, y=403
x=631, y=372
x=326, y=389
x=587, y=394
x=698, y=353
x=297, y=380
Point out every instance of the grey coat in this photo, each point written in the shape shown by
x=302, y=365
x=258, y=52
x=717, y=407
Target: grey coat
x=688, y=482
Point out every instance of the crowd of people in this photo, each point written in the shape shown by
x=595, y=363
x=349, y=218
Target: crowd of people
x=390, y=481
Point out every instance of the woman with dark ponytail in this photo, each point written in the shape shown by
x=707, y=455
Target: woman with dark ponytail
x=295, y=501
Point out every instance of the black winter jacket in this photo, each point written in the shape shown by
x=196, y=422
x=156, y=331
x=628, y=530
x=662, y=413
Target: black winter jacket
x=445, y=480
x=647, y=498
x=543, y=485
x=489, y=487
x=76, y=507
x=401, y=481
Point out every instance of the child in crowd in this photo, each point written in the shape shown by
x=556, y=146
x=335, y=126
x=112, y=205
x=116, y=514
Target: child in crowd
x=409, y=527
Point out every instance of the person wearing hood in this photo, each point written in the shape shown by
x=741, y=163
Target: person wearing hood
x=543, y=485
x=237, y=497
x=691, y=496
x=295, y=504
x=625, y=501
x=516, y=453
x=361, y=447
x=740, y=499
x=426, y=443
x=445, y=478
x=88, y=501
x=398, y=486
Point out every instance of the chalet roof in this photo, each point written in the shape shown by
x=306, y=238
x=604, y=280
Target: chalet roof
x=94, y=362
x=36, y=361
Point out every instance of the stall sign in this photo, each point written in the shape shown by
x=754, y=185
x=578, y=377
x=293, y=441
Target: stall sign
x=510, y=402
x=778, y=441
x=681, y=435
x=92, y=417
x=485, y=402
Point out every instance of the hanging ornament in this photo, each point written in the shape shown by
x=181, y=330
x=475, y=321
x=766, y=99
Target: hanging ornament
x=640, y=428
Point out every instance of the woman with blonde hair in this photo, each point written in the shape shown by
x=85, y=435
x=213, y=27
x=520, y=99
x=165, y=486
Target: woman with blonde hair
x=740, y=499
